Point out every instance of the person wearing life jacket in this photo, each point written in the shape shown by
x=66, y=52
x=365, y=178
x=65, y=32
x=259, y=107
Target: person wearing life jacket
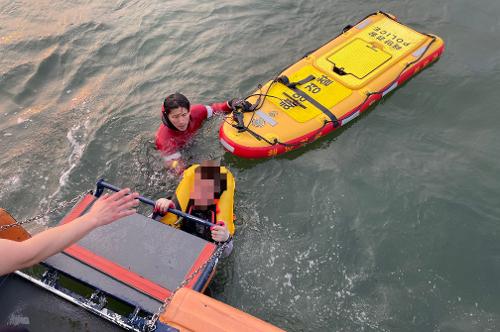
x=180, y=123
x=208, y=185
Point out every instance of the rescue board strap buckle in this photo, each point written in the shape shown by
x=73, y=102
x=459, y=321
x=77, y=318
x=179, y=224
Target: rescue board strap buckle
x=292, y=85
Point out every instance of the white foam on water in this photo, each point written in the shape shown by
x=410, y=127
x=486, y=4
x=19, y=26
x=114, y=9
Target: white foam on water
x=288, y=282
x=76, y=141
x=11, y=184
x=16, y=318
x=77, y=136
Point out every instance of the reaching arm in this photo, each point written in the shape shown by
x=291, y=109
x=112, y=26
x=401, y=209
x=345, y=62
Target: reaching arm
x=108, y=208
x=223, y=107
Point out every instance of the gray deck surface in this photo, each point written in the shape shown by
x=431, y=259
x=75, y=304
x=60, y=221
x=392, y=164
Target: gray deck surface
x=148, y=248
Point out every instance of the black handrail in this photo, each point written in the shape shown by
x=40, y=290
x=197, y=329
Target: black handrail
x=101, y=185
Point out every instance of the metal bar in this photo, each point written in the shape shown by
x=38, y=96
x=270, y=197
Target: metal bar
x=106, y=314
x=203, y=279
x=101, y=184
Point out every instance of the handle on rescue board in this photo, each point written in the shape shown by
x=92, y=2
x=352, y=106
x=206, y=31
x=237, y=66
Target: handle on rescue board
x=238, y=117
x=101, y=185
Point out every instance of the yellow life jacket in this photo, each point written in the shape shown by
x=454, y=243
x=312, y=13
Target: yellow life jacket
x=224, y=206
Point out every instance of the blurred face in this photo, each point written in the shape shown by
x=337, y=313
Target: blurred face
x=203, y=192
x=179, y=118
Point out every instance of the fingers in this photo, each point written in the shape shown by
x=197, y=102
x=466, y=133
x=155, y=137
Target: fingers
x=159, y=206
x=118, y=195
x=219, y=226
x=109, y=208
x=123, y=196
x=163, y=204
x=132, y=198
x=133, y=203
x=123, y=200
x=126, y=213
x=219, y=233
x=124, y=206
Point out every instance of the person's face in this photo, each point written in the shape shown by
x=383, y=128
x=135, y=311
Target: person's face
x=203, y=192
x=179, y=118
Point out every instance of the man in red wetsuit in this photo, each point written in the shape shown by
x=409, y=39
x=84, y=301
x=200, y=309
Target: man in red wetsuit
x=180, y=122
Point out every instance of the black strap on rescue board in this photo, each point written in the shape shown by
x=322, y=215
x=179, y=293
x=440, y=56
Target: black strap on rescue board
x=293, y=86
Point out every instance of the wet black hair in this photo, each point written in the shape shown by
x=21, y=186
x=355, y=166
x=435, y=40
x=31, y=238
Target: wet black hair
x=170, y=103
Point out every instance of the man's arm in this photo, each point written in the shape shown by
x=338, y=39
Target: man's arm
x=215, y=108
x=169, y=151
x=108, y=208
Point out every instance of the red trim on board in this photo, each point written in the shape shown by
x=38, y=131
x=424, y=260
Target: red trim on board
x=118, y=272
x=204, y=256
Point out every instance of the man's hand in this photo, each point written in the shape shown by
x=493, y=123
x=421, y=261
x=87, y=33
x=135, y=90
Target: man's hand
x=109, y=208
x=241, y=104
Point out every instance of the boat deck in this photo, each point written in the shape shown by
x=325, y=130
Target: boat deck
x=136, y=259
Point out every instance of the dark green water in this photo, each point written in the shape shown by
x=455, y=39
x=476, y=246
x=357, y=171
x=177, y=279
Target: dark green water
x=393, y=224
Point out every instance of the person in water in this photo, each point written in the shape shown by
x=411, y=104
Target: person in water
x=181, y=120
x=208, y=185
x=108, y=208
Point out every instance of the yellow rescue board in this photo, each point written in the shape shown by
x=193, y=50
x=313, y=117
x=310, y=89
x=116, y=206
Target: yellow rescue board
x=369, y=58
x=376, y=47
x=330, y=86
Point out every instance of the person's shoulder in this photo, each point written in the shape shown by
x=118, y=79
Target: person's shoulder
x=161, y=131
x=198, y=108
x=161, y=128
x=200, y=112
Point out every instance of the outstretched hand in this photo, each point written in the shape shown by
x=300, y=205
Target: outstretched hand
x=109, y=208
